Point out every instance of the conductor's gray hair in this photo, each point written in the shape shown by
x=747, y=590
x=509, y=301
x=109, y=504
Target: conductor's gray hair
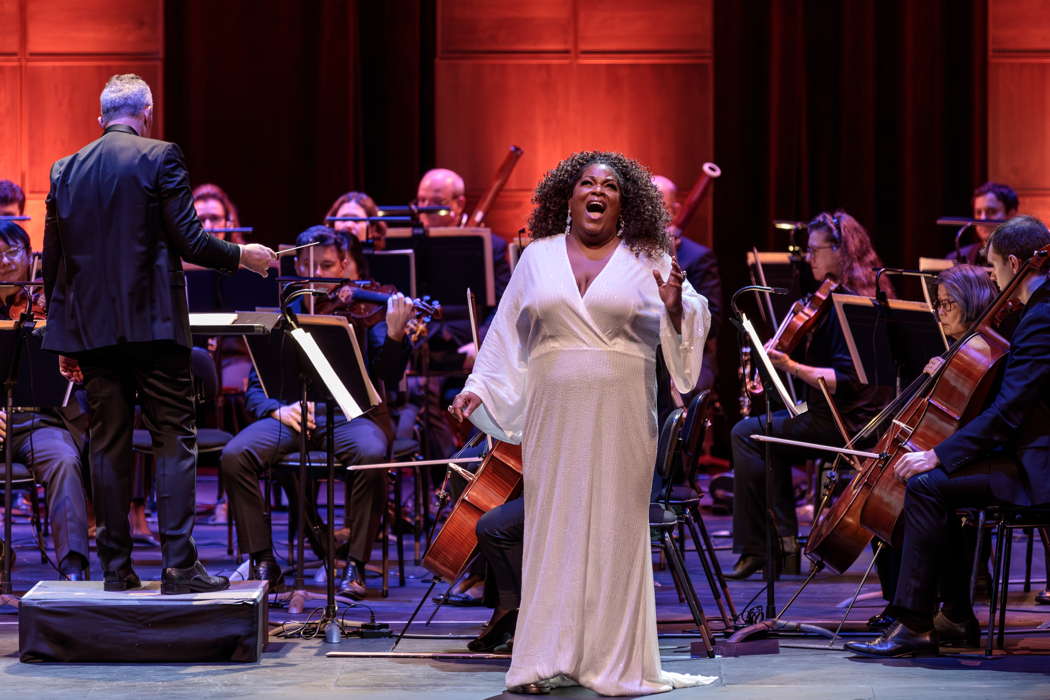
x=125, y=95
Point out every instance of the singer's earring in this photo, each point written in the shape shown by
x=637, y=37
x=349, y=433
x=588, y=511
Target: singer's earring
x=619, y=230
x=568, y=223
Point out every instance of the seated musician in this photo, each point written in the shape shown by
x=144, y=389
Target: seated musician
x=358, y=204
x=838, y=248
x=51, y=442
x=992, y=200
x=701, y=269
x=12, y=199
x=215, y=209
x=1000, y=456
x=363, y=440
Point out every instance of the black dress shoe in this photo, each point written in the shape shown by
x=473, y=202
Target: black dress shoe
x=192, y=579
x=268, y=570
x=121, y=580
x=746, y=565
x=497, y=632
x=881, y=622
x=81, y=575
x=897, y=642
x=1043, y=597
x=950, y=633
x=459, y=600
x=145, y=540
x=352, y=583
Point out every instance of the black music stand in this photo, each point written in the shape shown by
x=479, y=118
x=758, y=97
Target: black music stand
x=449, y=261
x=890, y=342
x=31, y=383
x=325, y=351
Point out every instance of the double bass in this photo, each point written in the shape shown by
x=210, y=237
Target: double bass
x=934, y=408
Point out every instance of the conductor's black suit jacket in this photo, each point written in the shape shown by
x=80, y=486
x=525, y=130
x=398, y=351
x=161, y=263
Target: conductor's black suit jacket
x=1017, y=423
x=120, y=220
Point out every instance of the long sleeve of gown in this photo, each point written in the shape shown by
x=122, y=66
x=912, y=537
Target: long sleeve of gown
x=498, y=377
x=684, y=352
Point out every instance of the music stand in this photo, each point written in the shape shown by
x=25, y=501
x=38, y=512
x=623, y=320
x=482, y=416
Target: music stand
x=31, y=383
x=323, y=348
x=396, y=267
x=891, y=342
x=449, y=261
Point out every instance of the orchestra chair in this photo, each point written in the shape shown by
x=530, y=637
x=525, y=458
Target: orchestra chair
x=402, y=450
x=664, y=520
x=209, y=440
x=1004, y=519
x=22, y=478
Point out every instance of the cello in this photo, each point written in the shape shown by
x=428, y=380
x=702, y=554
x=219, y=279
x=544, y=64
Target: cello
x=925, y=414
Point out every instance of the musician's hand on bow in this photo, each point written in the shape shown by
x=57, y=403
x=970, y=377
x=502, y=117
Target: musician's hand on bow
x=464, y=404
x=258, y=258
x=671, y=292
x=915, y=463
x=69, y=368
x=398, y=311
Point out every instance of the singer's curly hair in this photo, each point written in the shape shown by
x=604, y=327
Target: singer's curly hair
x=641, y=207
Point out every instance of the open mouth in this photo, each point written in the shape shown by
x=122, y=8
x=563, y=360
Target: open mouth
x=596, y=207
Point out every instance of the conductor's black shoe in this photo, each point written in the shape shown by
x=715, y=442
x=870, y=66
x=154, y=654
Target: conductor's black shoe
x=267, y=570
x=897, y=642
x=121, y=580
x=746, y=565
x=881, y=622
x=497, y=632
x=81, y=575
x=352, y=583
x=951, y=633
x=1043, y=597
x=192, y=579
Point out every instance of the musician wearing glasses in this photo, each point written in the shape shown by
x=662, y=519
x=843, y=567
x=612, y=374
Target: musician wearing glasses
x=839, y=249
x=358, y=205
x=216, y=211
x=51, y=442
x=363, y=440
x=1000, y=456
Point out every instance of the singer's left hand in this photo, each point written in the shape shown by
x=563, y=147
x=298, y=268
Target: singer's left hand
x=671, y=292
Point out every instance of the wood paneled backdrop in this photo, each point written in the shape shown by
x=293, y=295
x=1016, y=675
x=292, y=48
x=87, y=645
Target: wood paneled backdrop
x=55, y=56
x=1019, y=100
x=554, y=78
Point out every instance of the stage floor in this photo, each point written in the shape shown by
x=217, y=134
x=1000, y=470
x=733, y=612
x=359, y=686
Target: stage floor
x=805, y=667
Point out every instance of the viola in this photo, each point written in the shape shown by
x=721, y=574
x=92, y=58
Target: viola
x=933, y=409
x=364, y=302
x=804, y=317
x=23, y=300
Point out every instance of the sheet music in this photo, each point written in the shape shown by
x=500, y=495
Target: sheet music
x=759, y=349
x=324, y=370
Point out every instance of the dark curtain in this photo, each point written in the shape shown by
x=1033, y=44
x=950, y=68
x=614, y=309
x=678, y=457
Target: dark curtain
x=873, y=106
x=288, y=104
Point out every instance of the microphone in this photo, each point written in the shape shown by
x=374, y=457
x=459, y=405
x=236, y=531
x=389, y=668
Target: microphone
x=755, y=288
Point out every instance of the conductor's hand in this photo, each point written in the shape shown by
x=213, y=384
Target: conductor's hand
x=464, y=404
x=291, y=415
x=398, y=311
x=933, y=365
x=671, y=292
x=69, y=368
x=915, y=463
x=257, y=258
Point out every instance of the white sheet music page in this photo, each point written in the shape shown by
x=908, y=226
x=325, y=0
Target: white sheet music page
x=324, y=369
x=772, y=372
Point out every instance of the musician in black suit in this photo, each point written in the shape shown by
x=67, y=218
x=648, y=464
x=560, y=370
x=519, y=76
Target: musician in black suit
x=120, y=221
x=1001, y=456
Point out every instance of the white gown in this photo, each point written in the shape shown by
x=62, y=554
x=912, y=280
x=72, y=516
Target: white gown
x=574, y=380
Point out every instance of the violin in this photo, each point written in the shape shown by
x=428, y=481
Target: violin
x=803, y=317
x=364, y=302
x=23, y=300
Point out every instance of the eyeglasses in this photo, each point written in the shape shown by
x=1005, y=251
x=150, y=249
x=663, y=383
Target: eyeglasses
x=943, y=306
x=12, y=254
x=811, y=250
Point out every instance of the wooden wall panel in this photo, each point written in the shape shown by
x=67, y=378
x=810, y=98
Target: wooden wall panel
x=473, y=26
x=10, y=21
x=1018, y=115
x=667, y=26
x=10, y=137
x=62, y=107
x=638, y=79
x=1019, y=25
x=1035, y=203
x=95, y=26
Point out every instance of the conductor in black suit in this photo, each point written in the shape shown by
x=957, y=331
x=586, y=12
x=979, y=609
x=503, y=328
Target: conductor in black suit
x=120, y=221
x=1001, y=456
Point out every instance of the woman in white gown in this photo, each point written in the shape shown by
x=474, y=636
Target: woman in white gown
x=568, y=370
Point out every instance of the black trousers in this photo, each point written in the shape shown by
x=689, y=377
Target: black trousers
x=42, y=442
x=934, y=554
x=501, y=537
x=263, y=443
x=749, y=474
x=160, y=373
